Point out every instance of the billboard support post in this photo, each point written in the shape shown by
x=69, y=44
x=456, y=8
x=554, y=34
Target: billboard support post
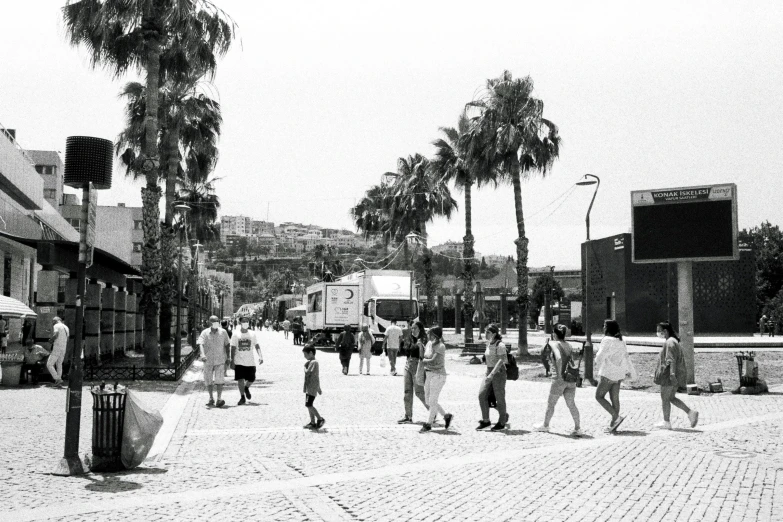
x=685, y=313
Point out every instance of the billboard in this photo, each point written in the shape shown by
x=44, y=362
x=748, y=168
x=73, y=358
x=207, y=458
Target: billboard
x=342, y=304
x=685, y=224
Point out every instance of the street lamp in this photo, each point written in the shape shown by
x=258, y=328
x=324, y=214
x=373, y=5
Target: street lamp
x=413, y=240
x=588, y=179
x=182, y=209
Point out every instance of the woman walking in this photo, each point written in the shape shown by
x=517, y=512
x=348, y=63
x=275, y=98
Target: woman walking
x=562, y=354
x=671, y=374
x=415, y=349
x=365, y=348
x=495, y=381
x=435, y=377
x=613, y=366
x=345, y=344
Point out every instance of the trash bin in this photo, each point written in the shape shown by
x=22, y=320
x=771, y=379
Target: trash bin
x=11, y=364
x=748, y=368
x=108, y=418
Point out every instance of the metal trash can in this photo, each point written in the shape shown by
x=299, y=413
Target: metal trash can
x=108, y=418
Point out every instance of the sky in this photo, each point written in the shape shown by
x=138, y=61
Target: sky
x=319, y=99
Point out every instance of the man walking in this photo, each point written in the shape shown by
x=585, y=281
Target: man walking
x=243, y=362
x=391, y=345
x=286, y=328
x=213, y=345
x=59, y=342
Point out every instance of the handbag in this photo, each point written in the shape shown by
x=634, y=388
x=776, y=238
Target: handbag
x=420, y=375
x=662, y=374
x=384, y=360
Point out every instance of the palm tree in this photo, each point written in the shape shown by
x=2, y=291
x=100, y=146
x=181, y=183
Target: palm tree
x=419, y=195
x=511, y=134
x=452, y=162
x=204, y=205
x=371, y=213
x=191, y=125
x=161, y=38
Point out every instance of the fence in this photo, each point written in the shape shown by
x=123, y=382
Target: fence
x=139, y=373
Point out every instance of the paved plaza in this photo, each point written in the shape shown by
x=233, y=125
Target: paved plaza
x=255, y=462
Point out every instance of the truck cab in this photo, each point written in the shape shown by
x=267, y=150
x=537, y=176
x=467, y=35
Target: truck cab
x=379, y=311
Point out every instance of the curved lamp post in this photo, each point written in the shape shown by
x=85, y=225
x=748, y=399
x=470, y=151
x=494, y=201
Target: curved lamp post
x=182, y=209
x=588, y=179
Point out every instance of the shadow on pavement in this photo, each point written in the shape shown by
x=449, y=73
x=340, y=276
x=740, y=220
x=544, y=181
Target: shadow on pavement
x=631, y=433
x=113, y=483
x=515, y=432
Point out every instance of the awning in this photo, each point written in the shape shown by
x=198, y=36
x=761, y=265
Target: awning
x=11, y=308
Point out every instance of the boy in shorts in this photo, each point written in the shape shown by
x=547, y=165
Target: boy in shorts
x=242, y=343
x=312, y=387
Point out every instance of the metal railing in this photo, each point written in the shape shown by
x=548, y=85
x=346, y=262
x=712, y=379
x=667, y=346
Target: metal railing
x=139, y=373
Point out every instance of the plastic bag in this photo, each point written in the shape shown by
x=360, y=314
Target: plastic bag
x=139, y=431
x=384, y=361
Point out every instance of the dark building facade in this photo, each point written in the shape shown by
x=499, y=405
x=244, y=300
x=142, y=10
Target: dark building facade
x=640, y=295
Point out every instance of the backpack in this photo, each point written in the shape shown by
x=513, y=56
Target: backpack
x=512, y=370
x=568, y=370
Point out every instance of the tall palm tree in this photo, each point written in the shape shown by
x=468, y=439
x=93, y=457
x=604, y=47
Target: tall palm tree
x=371, y=213
x=160, y=38
x=419, y=195
x=511, y=134
x=453, y=163
x=204, y=204
x=191, y=125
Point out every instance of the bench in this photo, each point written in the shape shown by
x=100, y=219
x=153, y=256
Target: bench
x=474, y=349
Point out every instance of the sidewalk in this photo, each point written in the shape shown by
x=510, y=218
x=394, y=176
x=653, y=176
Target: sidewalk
x=256, y=462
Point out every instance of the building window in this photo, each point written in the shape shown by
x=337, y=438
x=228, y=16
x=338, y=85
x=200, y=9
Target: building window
x=137, y=247
x=136, y=224
x=50, y=193
x=48, y=169
x=75, y=223
x=39, y=169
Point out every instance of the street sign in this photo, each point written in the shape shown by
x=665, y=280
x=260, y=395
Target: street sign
x=685, y=224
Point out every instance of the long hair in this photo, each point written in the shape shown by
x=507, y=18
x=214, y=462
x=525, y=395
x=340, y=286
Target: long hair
x=492, y=327
x=612, y=328
x=422, y=337
x=669, y=329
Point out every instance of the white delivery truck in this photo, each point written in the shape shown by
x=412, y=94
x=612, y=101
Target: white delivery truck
x=386, y=296
x=330, y=306
x=370, y=297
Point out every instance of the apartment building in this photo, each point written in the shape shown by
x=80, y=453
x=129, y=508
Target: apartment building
x=118, y=228
x=262, y=227
x=236, y=225
x=50, y=167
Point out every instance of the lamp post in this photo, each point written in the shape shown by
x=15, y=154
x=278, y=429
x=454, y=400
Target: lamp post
x=588, y=179
x=182, y=209
x=194, y=297
x=413, y=240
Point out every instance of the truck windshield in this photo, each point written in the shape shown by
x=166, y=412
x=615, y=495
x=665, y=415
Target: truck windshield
x=396, y=309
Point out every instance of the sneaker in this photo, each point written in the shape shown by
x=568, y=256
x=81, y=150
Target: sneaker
x=447, y=418
x=220, y=403
x=498, y=427
x=405, y=420
x=241, y=401
x=425, y=427
x=483, y=424
x=320, y=423
x=541, y=428
x=663, y=425
x=693, y=416
x=309, y=426
x=576, y=432
x=616, y=424
x=247, y=393
x=211, y=402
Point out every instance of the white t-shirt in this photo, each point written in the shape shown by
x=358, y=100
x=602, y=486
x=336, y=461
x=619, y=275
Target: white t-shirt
x=393, y=336
x=62, y=337
x=244, y=343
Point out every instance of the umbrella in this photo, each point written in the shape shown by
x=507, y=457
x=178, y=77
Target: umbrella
x=11, y=308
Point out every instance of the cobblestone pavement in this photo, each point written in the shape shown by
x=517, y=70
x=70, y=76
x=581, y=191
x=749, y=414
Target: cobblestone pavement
x=255, y=462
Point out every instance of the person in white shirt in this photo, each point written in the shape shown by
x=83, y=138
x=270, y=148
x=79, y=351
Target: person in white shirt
x=213, y=346
x=59, y=342
x=613, y=365
x=242, y=361
x=391, y=345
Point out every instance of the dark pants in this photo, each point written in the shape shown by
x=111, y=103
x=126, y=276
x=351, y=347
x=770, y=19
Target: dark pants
x=346, y=362
x=411, y=388
x=498, y=386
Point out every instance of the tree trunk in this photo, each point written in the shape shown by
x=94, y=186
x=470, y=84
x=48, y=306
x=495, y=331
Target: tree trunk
x=523, y=299
x=429, y=287
x=168, y=273
x=467, y=254
x=150, y=266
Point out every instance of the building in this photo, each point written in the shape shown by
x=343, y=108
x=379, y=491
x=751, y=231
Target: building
x=118, y=229
x=262, y=227
x=451, y=248
x=50, y=167
x=235, y=225
x=639, y=296
x=496, y=260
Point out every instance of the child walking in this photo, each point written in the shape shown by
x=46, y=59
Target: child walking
x=312, y=387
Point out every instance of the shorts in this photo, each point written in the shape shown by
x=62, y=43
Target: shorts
x=247, y=373
x=309, y=400
x=214, y=373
